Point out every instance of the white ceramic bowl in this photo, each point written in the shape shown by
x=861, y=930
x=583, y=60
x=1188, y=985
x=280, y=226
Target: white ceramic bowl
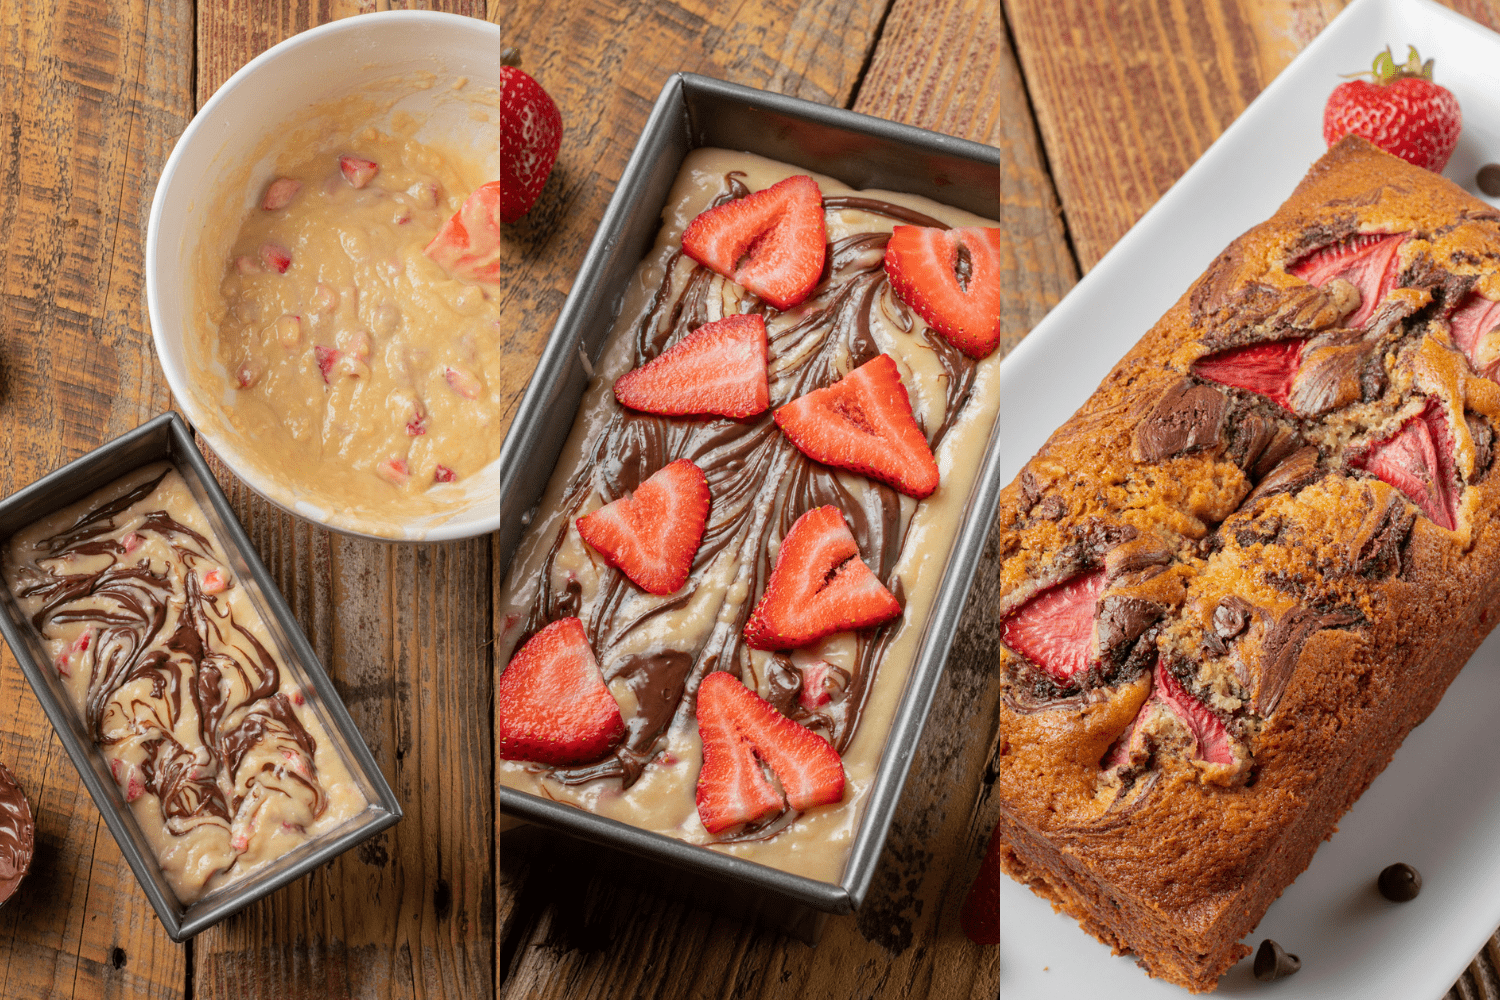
x=224, y=160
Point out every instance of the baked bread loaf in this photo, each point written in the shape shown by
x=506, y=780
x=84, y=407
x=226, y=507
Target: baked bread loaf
x=1251, y=563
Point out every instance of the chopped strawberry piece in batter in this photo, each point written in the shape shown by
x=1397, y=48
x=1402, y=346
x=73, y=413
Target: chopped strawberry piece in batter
x=393, y=471
x=1264, y=368
x=280, y=194
x=357, y=170
x=275, y=257
x=814, y=692
x=468, y=245
x=213, y=582
x=443, y=474
x=463, y=382
x=1055, y=629
x=326, y=357
x=1418, y=461
x=1368, y=261
x=131, y=542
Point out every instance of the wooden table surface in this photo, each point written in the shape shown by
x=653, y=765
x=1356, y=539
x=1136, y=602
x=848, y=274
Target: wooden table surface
x=1095, y=107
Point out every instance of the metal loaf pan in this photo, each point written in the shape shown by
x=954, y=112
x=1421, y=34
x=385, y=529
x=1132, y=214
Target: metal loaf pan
x=864, y=152
x=167, y=437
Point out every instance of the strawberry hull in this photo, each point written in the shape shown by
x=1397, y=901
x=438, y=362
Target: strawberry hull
x=873, y=685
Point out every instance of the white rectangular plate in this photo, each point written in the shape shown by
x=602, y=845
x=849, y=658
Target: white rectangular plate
x=1437, y=806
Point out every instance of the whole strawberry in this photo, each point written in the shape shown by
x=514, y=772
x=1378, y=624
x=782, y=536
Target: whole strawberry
x=1399, y=109
x=530, y=135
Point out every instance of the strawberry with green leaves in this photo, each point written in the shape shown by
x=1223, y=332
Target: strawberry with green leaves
x=1399, y=109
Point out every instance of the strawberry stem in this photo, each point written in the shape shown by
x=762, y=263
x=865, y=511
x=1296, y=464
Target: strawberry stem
x=1384, y=69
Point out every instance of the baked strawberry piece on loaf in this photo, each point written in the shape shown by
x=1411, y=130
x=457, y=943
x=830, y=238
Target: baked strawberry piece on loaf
x=1250, y=564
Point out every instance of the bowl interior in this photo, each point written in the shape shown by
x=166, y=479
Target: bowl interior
x=440, y=70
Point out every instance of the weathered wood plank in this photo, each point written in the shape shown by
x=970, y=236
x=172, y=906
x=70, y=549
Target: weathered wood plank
x=92, y=95
x=406, y=632
x=565, y=933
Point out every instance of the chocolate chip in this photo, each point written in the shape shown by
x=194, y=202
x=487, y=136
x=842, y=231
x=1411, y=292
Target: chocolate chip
x=1400, y=883
x=1489, y=179
x=1272, y=962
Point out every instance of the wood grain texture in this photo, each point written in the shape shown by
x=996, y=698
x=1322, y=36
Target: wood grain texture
x=406, y=632
x=604, y=64
x=91, y=96
x=567, y=931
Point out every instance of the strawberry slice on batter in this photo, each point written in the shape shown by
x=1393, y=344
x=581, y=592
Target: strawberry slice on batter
x=553, y=705
x=864, y=423
x=737, y=726
x=719, y=368
x=1418, y=461
x=1264, y=368
x=819, y=586
x=468, y=245
x=951, y=278
x=1368, y=261
x=652, y=535
x=1055, y=629
x=772, y=242
x=1475, y=317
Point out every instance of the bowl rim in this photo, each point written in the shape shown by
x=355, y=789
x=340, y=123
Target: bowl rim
x=454, y=528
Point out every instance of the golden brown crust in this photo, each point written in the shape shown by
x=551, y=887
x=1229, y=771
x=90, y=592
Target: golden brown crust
x=1312, y=610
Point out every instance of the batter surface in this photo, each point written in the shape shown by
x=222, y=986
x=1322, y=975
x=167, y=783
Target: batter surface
x=164, y=655
x=356, y=363
x=655, y=650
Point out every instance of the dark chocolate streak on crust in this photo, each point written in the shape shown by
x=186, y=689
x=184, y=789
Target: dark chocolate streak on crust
x=759, y=484
x=17, y=834
x=121, y=653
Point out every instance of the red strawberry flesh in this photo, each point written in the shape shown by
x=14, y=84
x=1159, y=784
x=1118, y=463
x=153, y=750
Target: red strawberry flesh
x=814, y=691
x=1213, y=738
x=864, y=423
x=1055, y=629
x=1418, y=461
x=772, y=242
x=653, y=535
x=358, y=171
x=924, y=267
x=737, y=726
x=1368, y=261
x=326, y=357
x=443, y=474
x=1474, y=318
x=468, y=244
x=1264, y=368
x=719, y=368
x=280, y=194
x=554, y=707
x=819, y=586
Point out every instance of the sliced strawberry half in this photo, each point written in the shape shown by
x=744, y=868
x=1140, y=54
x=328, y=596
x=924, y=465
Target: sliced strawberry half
x=1368, y=261
x=951, y=277
x=652, y=535
x=736, y=726
x=1264, y=368
x=468, y=245
x=820, y=586
x=772, y=242
x=1214, y=744
x=980, y=917
x=553, y=705
x=1475, y=317
x=719, y=368
x=1055, y=629
x=863, y=422
x=1418, y=461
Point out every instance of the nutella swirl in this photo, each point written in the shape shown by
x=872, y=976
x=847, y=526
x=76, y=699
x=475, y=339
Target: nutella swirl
x=760, y=484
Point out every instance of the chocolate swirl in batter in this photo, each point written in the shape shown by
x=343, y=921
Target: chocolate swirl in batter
x=202, y=654
x=17, y=834
x=760, y=484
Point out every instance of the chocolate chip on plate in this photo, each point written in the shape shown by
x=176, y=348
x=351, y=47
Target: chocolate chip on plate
x=1272, y=962
x=1400, y=883
x=1489, y=179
